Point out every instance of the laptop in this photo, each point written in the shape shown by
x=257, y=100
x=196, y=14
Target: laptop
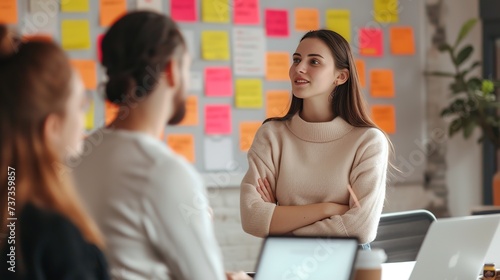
x=458, y=248
x=294, y=257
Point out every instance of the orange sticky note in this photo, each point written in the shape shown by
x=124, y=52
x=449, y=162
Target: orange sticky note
x=361, y=69
x=182, y=144
x=111, y=10
x=382, y=83
x=8, y=12
x=277, y=66
x=402, y=41
x=306, y=19
x=88, y=72
x=277, y=102
x=191, y=116
x=247, y=133
x=110, y=112
x=384, y=117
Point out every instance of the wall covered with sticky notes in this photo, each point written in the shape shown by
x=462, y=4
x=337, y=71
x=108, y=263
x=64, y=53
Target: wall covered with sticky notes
x=241, y=51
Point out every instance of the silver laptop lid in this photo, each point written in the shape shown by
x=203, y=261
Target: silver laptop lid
x=293, y=257
x=456, y=248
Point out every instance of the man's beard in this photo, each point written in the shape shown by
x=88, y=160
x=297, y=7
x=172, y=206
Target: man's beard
x=179, y=107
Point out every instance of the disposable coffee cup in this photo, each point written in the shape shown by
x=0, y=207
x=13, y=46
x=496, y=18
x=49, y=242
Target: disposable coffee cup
x=369, y=264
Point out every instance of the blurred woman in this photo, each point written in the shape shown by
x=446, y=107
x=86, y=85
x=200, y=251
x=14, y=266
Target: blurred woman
x=42, y=109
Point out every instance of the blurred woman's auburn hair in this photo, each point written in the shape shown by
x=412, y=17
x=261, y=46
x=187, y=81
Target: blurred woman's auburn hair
x=35, y=81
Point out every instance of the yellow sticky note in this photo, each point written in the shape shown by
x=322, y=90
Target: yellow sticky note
x=361, y=69
x=89, y=117
x=277, y=102
x=182, y=144
x=111, y=10
x=88, y=72
x=386, y=10
x=215, y=10
x=402, y=41
x=75, y=5
x=8, y=12
x=306, y=19
x=382, y=83
x=249, y=93
x=277, y=66
x=340, y=22
x=215, y=45
x=110, y=112
x=191, y=116
x=384, y=117
x=75, y=34
x=247, y=134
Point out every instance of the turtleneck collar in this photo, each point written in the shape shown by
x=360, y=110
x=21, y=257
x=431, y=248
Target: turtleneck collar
x=320, y=131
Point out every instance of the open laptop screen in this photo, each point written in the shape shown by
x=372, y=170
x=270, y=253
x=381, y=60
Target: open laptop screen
x=292, y=257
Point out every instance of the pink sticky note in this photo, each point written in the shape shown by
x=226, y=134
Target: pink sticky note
x=371, y=42
x=183, y=10
x=218, y=81
x=218, y=119
x=99, y=47
x=246, y=12
x=277, y=23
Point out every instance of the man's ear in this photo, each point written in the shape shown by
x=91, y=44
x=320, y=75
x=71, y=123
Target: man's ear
x=52, y=129
x=172, y=73
x=343, y=76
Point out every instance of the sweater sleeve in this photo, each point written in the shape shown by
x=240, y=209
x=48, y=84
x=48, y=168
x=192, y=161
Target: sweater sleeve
x=368, y=182
x=177, y=222
x=255, y=213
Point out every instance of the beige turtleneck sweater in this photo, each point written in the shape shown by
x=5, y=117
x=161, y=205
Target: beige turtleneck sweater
x=308, y=163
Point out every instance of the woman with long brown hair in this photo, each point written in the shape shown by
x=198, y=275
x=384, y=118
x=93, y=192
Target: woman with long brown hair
x=42, y=105
x=320, y=169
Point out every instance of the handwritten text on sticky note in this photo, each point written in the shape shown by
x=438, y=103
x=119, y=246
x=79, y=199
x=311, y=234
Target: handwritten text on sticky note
x=218, y=119
x=382, y=83
x=218, y=81
x=249, y=93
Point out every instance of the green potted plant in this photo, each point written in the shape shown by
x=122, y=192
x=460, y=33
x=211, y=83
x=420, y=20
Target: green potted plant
x=473, y=101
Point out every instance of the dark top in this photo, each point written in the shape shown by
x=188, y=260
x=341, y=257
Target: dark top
x=52, y=248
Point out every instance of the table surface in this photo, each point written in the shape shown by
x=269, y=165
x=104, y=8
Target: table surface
x=397, y=271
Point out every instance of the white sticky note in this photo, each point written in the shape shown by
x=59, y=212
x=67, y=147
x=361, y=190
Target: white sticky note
x=195, y=81
x=249, y=51
x=154, y=5
x=42, y=18
x=189, y=38
x=218, y=153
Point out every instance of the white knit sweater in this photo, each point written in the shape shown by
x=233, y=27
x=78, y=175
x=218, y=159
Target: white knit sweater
x=308, y=163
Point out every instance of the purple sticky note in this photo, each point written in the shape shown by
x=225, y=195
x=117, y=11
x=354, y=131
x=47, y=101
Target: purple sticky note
x=277, y=23
x=371, y=42
x=246, y=12
x=218, y=119
x=183, y=10
x=218, y=81
x=99, y=47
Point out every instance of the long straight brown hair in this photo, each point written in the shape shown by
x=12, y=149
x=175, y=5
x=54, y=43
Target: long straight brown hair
x=35, y=82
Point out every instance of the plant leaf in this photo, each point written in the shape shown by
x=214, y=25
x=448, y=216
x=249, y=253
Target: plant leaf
x=474, y=65
x=455, y=126
x=474, y=83
x=445, y=47
x=464, y=54
x=468, y=125
x=440, y=74
x=465, y=30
